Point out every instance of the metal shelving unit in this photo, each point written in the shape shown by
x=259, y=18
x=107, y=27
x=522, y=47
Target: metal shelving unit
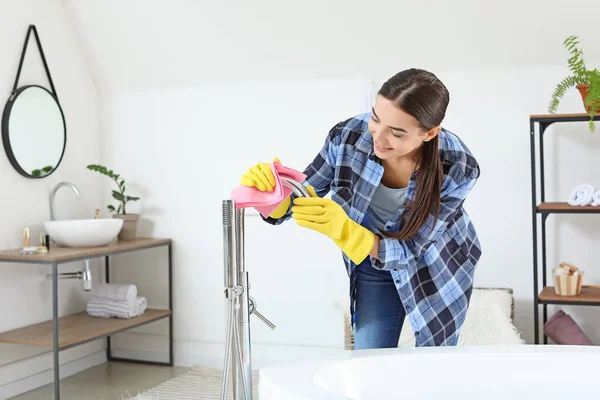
x=61, y=333
x=545, y=296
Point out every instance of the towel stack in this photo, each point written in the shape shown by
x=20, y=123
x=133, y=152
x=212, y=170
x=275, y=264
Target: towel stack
x=116, y=300
x=584, y=195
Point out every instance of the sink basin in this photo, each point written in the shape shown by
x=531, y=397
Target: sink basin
x=83, y=232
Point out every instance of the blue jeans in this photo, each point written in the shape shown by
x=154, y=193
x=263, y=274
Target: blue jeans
x=379, y=314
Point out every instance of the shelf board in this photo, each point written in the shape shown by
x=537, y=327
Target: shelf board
x=76, y=329
x=565, y=208
x=588, y=296
x=66, y=254
x=562, y=117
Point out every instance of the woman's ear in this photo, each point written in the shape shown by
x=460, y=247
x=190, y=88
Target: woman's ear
x=432, y=133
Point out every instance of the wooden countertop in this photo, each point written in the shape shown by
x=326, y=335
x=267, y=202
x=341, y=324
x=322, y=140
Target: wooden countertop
x=64, y=254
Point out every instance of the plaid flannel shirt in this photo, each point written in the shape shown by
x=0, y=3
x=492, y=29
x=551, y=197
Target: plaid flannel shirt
x=433, y=270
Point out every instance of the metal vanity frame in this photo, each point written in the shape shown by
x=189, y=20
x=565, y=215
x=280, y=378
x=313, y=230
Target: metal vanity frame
x=91, y=253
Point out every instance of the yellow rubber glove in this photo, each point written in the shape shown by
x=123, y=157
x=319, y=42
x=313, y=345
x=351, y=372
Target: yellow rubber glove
x=281, y=209
x=329, y=218
x=261, y=177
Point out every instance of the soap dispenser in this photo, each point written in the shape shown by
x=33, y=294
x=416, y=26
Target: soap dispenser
x=97, y=214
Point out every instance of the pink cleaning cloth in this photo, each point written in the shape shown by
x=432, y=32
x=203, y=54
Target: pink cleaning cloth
x=266, y=202
x=563, y=330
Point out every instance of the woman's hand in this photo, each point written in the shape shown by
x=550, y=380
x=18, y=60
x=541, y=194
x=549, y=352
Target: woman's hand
x=329, y=218
x=260, y=176
x=319, y=214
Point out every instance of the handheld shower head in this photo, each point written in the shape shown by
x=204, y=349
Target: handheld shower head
x=297, y=188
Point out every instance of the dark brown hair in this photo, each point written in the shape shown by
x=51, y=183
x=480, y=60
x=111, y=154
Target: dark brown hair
x=422, y=95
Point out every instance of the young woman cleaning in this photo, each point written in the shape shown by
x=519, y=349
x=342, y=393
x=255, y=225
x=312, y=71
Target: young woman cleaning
x=398, y=181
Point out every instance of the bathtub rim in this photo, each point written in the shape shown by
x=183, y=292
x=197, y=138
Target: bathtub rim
x=295, y=380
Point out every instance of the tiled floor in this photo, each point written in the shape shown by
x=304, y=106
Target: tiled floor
x=108, y=381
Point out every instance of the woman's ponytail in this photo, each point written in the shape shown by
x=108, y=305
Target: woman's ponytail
x=422, y=95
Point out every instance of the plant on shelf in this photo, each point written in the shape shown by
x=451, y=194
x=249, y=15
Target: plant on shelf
x=129, y=220
x=587, y=81
x=42, y=172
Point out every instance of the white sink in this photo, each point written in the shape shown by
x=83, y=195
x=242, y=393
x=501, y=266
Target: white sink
x=83, y=232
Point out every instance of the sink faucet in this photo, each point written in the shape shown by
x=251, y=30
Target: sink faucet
x=53, y=194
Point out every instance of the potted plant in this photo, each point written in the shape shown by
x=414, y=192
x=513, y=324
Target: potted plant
x=42, y=172
x=587, y=81
x=129, y=230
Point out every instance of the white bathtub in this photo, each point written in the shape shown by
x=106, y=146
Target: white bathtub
x=449, y=373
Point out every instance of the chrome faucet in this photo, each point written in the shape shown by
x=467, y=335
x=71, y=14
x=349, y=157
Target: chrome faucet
x=238, y=352
x=85, y=275
x=53, y=195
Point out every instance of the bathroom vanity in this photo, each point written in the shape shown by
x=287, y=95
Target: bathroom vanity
x=79, y=328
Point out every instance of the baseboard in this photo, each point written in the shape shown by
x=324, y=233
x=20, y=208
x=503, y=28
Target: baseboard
x=190, y=353
x=213, y=354
x=37, y=371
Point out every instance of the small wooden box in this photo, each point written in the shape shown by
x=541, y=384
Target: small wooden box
x=568, y=285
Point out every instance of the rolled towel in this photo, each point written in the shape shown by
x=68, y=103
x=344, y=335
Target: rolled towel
x=141, y=304
x=114, y=291
x=596, y=198
x=581, y=195
x=563, y=330
x=105, y=308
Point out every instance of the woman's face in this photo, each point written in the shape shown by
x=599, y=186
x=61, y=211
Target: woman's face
x=396, y=134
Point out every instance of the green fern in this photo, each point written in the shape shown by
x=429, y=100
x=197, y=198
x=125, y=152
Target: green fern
x=576, y=62
x=580, y=75
x=560, y=91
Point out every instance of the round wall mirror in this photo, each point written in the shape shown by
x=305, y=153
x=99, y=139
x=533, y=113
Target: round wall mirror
x=34, y=131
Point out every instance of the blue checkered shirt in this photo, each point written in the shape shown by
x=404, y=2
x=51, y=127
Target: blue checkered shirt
x=433, y=270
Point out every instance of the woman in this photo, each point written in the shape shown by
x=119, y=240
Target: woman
x=398, y=182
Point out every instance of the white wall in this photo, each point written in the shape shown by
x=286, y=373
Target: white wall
x=138, y=45
x=25, y=294
x=187, y=91
x=190, y=144
x=168, y=75
x=495, y=124
x=196, y=141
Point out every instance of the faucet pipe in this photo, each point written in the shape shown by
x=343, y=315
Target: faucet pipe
x=240, y=304
x=85, y=275
x=53, y=195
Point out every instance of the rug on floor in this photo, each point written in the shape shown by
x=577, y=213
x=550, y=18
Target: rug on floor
x=199, y=382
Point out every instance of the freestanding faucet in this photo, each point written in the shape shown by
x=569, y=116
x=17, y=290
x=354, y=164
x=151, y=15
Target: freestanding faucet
x=53, y=195
x=241, y=305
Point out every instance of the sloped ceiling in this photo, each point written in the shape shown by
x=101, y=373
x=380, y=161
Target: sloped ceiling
x=140, y=45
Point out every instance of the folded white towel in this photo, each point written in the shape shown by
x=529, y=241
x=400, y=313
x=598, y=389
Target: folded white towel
x=596, y=198
x=99, y=307
x=581, y=195
x=115, y=291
